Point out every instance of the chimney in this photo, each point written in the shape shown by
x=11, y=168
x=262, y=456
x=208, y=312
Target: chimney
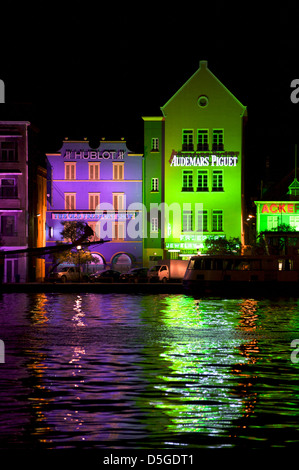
x=203, y=64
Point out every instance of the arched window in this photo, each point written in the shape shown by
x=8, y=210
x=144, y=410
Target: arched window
x=121, y=262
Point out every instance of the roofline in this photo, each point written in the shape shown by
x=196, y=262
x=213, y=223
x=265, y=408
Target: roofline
x=277, y=200
x=153, y=118
x=15, y=122
x=203, y=65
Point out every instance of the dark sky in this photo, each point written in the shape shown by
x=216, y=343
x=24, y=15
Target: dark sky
x=94, y=71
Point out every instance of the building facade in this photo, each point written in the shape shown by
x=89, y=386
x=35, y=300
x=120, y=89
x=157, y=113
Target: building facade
x=37, y=220
x=102, y=187
x=194, y=168
x=14, y=199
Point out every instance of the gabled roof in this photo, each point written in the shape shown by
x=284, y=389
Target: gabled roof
x=203, y=68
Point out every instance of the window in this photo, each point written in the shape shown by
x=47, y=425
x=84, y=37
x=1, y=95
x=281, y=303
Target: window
x=118, y=231
x=155, y=184
x=155, y=144
x=95, y=227
x=202, y=140
x=70, y=171
x=218, y=142
x=187, y=180
x=8, y=152
x=118, y=171
x=272, y=222
x=8, y=226
x=294, y=222
x=217, y=221
x=154, y=224
x=8, y=188
x=217, y=180
x=118, y=201
x=94, y=171
x=202, y=180
x=203, y=101
x=93, y=200
x=188, y=144
x=187, y=221
x=70, y=201
x=202, y=221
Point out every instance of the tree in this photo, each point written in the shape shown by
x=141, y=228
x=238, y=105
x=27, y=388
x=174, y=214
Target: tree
x=223, y=246
x=75, y=231
x=276, y=240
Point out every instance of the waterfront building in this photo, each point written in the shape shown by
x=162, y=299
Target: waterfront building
x=277, y=215
x=102, y=187
x=37, y=218
x=14, y=199
x=193, y=164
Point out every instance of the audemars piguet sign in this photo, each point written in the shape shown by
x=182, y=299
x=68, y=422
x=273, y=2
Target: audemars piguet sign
x=204, y=159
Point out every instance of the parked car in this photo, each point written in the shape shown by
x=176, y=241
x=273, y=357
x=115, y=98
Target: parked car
x=135, y=275
x=69, y=274
x=109, y=275
x=168, y=270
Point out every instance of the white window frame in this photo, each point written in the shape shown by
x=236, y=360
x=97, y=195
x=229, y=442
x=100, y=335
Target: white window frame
x=69, y=171
x=272, y=222
x=203, y=178
x=70, y=201
x=202, y=221
x=218, y=214
x=94, y=171
x=187, y=221
x=118, y=201
x=118, y=171
x=155, y=144
x=217, y=177
x=154, y=224
x=95, y=226
x=93, y=201
x=118, y=230
x=188, y=140
x=202, y=139
x=294, y=222
x=218, y=139
x=155, y=185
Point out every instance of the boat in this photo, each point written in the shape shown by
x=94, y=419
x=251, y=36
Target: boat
x=213, y=273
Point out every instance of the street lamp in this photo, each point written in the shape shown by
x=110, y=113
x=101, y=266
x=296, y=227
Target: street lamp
x=79, y=253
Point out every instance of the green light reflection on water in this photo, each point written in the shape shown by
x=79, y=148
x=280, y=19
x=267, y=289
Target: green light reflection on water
x=199, y=387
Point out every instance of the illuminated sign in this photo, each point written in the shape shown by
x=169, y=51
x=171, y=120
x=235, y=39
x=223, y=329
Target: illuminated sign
x=94, y=154
x=280, y=208
x=204, y=159
x=93, y=216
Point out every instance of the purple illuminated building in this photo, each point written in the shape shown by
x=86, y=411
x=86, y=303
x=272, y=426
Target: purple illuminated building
x=102, y=187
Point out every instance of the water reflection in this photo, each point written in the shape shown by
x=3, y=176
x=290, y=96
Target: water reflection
x=200, y=383
x=146, y=371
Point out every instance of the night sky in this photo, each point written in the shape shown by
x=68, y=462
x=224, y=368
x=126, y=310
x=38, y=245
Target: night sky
x=94, y=71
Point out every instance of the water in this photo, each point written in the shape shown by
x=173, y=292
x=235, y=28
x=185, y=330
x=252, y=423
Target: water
x=96, y=371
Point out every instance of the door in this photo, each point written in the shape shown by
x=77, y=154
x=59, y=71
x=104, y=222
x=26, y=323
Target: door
x=11, y=270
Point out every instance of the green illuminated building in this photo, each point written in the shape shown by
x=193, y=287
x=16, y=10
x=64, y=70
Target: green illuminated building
x=193, y=161
x=277, y=215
